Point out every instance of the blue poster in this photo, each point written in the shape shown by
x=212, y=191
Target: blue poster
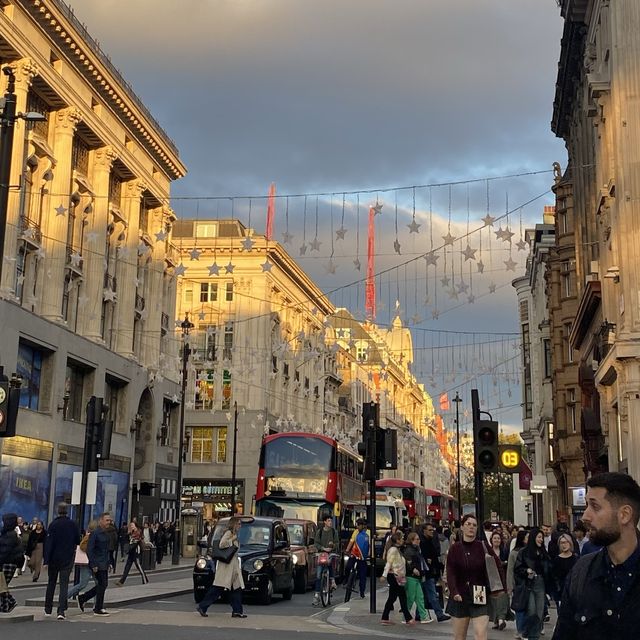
x=24, y=487
x=112, y=494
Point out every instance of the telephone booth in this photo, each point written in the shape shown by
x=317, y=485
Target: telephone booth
x=191, y=532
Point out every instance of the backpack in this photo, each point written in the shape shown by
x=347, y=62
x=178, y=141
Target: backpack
x=84, y=542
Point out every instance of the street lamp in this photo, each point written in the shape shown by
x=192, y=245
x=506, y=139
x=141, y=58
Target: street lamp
x=233, y=459
x=458, y=400
x=7, y=122
x=186, y=326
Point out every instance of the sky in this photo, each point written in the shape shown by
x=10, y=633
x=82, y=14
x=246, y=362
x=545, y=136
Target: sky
x=358, y=99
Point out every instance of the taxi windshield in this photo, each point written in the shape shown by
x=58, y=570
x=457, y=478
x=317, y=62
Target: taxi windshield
x=250, y=534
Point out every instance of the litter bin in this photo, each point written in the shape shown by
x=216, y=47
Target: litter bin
x=149, y=558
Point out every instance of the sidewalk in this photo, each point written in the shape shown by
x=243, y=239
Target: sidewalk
x=354, y=616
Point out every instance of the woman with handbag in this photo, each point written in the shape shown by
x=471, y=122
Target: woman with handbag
x=136, y=540
x=533, y=570
x=416, y=570
x=11, y=557
x=395, y=572
x=498, y=598
x=468, y=582
x=517, y=597
x=228, y=573
x=35, y=549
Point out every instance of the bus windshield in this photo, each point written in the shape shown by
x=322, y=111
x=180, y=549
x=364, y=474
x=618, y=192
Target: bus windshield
x=314, y=511
x=297, y=465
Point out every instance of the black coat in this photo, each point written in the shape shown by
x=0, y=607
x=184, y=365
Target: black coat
x=98, y=549
x=430, y=550
x=10, y=544
x=413, y=557
x=587, y=610
x=63, y=536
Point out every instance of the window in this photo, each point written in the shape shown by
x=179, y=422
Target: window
x=208, y=291
x=112, y=394
x=205, y=388
x=228, y=292
x=361, y=352
x=188, y=296
x=202, y=444
x=568, y=349
x=228, y=342
x=566, y=279
x=206, y=230
x=29, y=366
x=546, y=347
x=210, y=344
x=74, y=391
x=571, y=410
x=226, y=389
x=221, y=444
x=551, y=434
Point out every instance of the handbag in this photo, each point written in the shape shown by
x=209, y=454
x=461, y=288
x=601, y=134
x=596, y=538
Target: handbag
x=520, y=598
x=224, y=555
x=493, y=575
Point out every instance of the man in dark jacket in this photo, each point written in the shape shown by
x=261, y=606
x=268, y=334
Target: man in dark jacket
x=63, y=536
x=98, y=554
x=602, y=591
x=430, y=550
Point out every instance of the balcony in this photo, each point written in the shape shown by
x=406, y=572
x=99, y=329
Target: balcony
x=172, y=255
x=30, y=232
x=605, y=338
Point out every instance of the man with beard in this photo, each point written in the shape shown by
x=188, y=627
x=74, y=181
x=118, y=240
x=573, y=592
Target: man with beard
x=602, y=591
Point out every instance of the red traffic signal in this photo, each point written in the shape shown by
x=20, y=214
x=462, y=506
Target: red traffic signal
x=485, y=446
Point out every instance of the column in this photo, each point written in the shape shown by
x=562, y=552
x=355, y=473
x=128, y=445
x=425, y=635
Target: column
x=127, y=270
x=56, y=218
x=24, y=71
x=95, y=243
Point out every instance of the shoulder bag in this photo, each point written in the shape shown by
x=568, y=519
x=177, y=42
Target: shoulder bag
x=520, y=598
x=224, y=555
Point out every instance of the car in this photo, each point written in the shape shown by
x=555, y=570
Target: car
x=265, y=558
x=302, y=534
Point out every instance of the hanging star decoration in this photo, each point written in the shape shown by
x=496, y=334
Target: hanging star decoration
x=469, y=253
x=75, y=258
x=247, y=244
x=396, y=246
x=214, y=269
x=92, y=236
x=60, y=210
x=499, y=233
x=492, y=288
x=431, y=258
x=194, y=254
x=287, y=237
x=510, y=264
x=448, y=239
x=414, y=227
x=521, y=244
x=488, y=220
x=416, y=318
x=266, y=266
x=356, y=264
x=201, y=315
x=445, y=281
x=161, y=236
x=471, y=299
x=453, y=294
x=314, y=245
x=109, y=295
x=463, y=287
x=377, y=208
x=435, y=314
x=507, y=234
x=303, y=249
x=143, y=249
x=480, y=266
x=230, y=267
x=180, y=270
x=331, y=267
x=340, y=233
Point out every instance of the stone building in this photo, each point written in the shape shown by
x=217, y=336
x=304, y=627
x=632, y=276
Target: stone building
x=595, y=113
x=87, y=281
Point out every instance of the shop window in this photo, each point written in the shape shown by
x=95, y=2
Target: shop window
x=32, y=366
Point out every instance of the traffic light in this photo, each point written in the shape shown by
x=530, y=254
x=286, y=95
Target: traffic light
x=386, y=449
x=98, y=433
x=369, y=435
x=9, y=404
x=485, y=446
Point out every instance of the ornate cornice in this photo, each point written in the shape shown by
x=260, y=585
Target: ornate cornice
x=105, y=157
x=68, y=118
x=25, y=70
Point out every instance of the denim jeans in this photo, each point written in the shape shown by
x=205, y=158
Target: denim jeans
x=535, y=609
x=319, y=568
x=54, y=573
x=431, y=597
x=85, y=575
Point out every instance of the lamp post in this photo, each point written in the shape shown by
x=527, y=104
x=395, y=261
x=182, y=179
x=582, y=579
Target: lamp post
x=458, y=400
x=233, y=459
x=186, y=326
x=7, y=127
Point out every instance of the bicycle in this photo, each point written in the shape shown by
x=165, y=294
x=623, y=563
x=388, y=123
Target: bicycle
x=324, y=561
x=350, y=584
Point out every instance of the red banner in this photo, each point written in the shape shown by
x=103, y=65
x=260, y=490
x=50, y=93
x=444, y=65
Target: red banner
x=444, y=402
x=370, y=285
x=271, y=210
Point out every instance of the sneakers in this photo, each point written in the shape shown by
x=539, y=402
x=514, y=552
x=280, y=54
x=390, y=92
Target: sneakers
x=409, y=622
x=427, y=621
x=80, y=604
x=547, y=618
x=47, y=614
x=444, y=618
x=119, y=583
x=333, y=586
x=238, y=615
x=204, y=614
x=316, y=600
x=102, y=613
x=61, y=616
x=386, y=622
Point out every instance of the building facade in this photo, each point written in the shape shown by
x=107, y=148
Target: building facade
x=595, y=114
x=87, y=281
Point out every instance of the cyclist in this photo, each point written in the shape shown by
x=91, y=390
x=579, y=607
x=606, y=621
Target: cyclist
x=358, y=551
x=326, y=540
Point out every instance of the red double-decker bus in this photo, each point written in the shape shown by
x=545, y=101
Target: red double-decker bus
x=414, y=496
x=307, y=476
x=442, y=507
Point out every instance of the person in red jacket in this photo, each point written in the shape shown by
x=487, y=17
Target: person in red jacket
x=468, y=582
